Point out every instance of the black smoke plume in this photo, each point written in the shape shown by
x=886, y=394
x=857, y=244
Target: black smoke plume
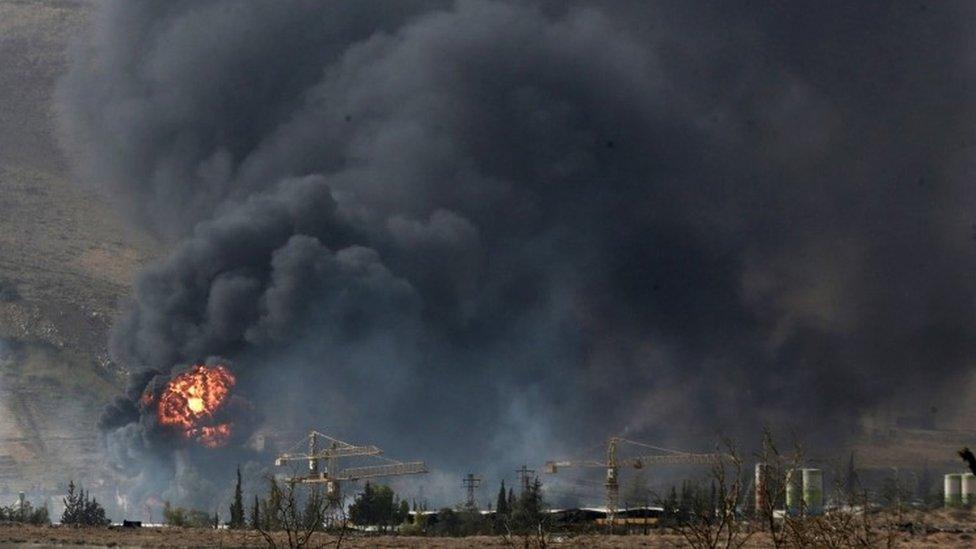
x=482, y=232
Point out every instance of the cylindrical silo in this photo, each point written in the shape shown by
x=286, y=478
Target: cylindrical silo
x=953, y=490
x=793, y=492
x=760, y=487
x=968, y=486
x=813, y=491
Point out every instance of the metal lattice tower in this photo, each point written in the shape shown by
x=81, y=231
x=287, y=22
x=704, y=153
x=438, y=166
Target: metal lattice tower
x=471, y=482
x=525, y=476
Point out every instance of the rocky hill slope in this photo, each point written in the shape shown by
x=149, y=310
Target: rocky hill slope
x=66, y=260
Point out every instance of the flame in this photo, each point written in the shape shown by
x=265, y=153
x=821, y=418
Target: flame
x=191, y=398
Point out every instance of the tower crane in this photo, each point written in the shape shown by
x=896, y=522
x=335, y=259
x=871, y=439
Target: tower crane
x=613, y=463
x=334, y=450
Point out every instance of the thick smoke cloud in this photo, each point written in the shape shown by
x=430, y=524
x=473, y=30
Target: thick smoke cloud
x=482, y=232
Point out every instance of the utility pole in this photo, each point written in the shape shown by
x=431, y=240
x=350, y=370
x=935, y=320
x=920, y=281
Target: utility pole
x=612, y=485
x=525, y=476
x=471, y=482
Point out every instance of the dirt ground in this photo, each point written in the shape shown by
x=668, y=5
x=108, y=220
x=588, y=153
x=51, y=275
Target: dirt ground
x=19, y=535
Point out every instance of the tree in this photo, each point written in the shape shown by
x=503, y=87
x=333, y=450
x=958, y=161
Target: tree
x=24, y=512
x=172, y=516
x=256, y=514
x=272, y=507
x=299, y=522
x=198, y=518
x=670, y=506
x=404, y=513
x=376, y=505
x=502, y=509
x=81, y=509
x=501, y=506
x=237, y=508
x=471, y=522
x=851, y=482
x=186, y=518
x=717, y=525
x=526, y=514
x=72, y=506
x=361, y=512
x=448, y=523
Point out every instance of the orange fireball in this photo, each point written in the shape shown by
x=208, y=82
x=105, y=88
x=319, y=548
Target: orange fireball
x=190, y=399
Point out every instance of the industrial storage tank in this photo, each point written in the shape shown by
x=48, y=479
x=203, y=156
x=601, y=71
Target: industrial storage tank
x=953, y=490
x=968, y=486
x=813, y=491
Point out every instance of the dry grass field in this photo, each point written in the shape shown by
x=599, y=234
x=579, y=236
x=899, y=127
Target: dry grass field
x=910, y=529
x=188, y=537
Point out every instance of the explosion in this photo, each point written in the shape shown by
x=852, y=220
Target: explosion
x=190, y=400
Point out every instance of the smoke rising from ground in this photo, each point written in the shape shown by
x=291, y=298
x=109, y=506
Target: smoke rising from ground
x=487, y=232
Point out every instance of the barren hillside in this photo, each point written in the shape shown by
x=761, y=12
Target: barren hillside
x=65, y=261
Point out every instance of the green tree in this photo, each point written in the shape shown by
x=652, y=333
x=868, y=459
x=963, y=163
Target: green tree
x=670, y=515
x=186, y=518
x=527, y=513
x=256, y=514
x=404, y=513
x=501, y=504
x=471, y=522
x=26, y=513
x=272, y=508
x=197, y=518
x=173, y=516
x=237, y=507
x=502, y=510
x=448, y=523
x=72, y=506
x=82, y=509
x=376, y=505
x=361, y=511
x=851, y=482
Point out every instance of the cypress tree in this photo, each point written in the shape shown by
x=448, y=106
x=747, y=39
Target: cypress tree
x=501, y=506
x=851, y=480
x=256, y=514
x=237, y=508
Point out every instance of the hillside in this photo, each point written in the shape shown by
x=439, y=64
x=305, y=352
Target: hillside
x=65, y=261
